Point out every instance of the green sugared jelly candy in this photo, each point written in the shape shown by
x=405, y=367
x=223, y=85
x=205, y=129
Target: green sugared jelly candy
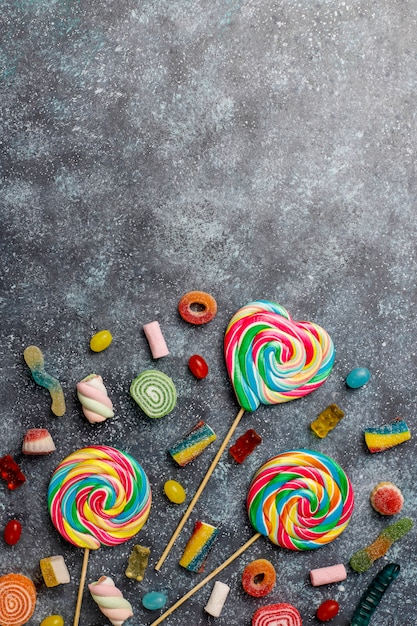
x=174, y=491
x=101, y=340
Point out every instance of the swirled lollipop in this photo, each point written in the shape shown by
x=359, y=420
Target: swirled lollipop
x=98, y=496
x=270, y=359
x=300, y=499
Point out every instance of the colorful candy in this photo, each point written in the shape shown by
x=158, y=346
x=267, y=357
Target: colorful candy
x=373, y=595
x=197, y=307
x=245, y=445
x=199, y=546
x=300, y=499
x=54, y=571
x=154, y=600
x=38, y=441
x=174, y=491
x=328, y=575
x=53, y=620
x=138, y=563
x=387, y=499
x=258, y=578
x=12, y=532
x=281, y=614
x=91, y=392
x=154, y=392
x=110, y=600
x=387, y=436
x=358, y=377
x=35, y=361
x=198, y=366
x=327, y=610
x=327, y=420
x=194, y=442
x=11, y=472
x=99, y=495
x=363, y=559
x=17, y=599
x=155, y=339
x=271, y=358
x=217, y=599
x=101, y=340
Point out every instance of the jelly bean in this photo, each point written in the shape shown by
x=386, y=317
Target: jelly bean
x=327, y=610
x=174, y=491
x=10, y=472
x=358, y=377
x=198, y=366
x=12, y=532
x=101, y=340
x=154, y=600
x=53, y=620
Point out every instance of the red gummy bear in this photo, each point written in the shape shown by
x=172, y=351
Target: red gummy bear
x=245, y=445
x=10, y=472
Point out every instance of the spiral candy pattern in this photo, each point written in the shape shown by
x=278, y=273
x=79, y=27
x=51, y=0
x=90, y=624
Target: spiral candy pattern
x=271, y=359
x=300, y=499
x=154, y=392
x=99, y=496
x=17, y=599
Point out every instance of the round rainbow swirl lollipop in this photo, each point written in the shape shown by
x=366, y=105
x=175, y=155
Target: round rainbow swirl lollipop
x=270, y=358
x=99, y=496
x=300, y=499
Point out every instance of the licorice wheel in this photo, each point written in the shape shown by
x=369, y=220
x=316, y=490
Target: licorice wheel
x=154, y=392
x=258, y=578
x=197, y=307
x=17, y=599
x=281, y=614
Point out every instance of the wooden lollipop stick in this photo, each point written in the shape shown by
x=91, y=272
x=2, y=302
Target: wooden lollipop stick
x=199, y=490
x=205, y=580
x=81, y=587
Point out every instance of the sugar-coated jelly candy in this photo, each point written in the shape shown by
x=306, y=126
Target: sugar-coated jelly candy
x=11, y=472
x=12, y=532
x=245, y=445
x=53, y=620
x=174, y=491
x=154, y=600
x=198, y=366
x=358, y=377
x=327, y=610
x=101, y=340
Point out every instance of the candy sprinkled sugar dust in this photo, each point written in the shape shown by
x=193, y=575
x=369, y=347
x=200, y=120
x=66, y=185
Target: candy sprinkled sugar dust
x=281, y=614
x=299, y=499
x=270, y=359
x=363, y=559
x=35, y=361
x=386, y=498
x=154, y=392
x=98, y=496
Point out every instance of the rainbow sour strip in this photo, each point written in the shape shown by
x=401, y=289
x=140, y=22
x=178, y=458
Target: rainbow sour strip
x=198, y=547
x=271, y=359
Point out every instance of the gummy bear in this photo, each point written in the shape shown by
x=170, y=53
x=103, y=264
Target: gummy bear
x=11, y=473
x=138, y=562
x=327, y=420
x=245, y=445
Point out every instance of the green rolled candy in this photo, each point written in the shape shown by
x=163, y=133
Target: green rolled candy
x=154, y=392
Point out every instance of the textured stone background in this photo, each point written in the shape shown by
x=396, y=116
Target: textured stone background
x=258, y=149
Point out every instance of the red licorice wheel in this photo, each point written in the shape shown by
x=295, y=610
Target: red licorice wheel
x=197, y=307
x=258, y=578
x=281, y=614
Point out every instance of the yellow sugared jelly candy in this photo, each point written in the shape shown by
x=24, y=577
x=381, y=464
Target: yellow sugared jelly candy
x=101, y=340
x=53, y=620
x=174, y=491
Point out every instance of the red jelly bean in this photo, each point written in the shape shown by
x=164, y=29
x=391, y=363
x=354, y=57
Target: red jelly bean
x=198, y=366
x=327, y=610
x=10, y=472
x=12, y=532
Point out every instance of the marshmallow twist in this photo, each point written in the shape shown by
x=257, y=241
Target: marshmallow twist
x=271, y=359
x=110, y=600
x=92, y=394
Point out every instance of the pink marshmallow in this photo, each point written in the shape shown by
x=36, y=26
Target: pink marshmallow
x=327, y=575
x=155, y=339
